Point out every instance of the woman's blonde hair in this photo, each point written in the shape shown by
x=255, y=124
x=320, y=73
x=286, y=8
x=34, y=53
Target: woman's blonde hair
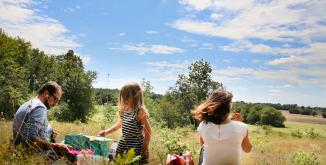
x=132, y=90
x=216, y=108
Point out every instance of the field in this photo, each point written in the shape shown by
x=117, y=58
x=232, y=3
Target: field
x=270, y=145
x=304, y=118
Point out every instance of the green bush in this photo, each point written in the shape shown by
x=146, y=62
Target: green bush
x=127, y=158
x=311, y=133
x=303, y=158
x=297, y=133
x=305, y=112
x=172, y=142
x=260, y=114
x=111, y=113
x=267, y=129
x=59, y=112
x=270, y=116
x=323, y=114
x=314, y=113
x=294, y=111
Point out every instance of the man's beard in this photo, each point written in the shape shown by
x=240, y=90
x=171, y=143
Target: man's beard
x=46, y=103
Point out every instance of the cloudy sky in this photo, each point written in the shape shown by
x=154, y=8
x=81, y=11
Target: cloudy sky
x=262, y=50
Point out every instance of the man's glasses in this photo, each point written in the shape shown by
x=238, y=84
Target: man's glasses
x=56, y=99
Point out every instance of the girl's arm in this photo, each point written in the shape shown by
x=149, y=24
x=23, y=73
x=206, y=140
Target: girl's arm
x=115, y=127
x=246, y=145
x=147, y=133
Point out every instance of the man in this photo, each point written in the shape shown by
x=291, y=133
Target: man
x=31, y=122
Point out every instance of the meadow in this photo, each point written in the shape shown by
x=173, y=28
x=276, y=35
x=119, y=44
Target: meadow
x=297, y=143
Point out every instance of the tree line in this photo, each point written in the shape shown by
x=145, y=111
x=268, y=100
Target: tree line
x=24, y=69
x=303, y=110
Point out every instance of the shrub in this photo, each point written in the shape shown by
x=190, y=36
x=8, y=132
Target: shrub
x=127, y=158
x=267, y=129
x=110, y=113
x=303, y=158
x=294, y=111
x=314, y=113
x=59, y=112
x=305, y=112
x=253, y=116
x=311, y=133
x=323, y=114
x=297, y=133
x=271, y=116
x=172, y=142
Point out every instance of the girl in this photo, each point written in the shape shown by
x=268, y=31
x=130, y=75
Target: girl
x=220, y=137
x=133, y=118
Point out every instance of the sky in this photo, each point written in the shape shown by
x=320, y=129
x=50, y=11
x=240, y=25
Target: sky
x=270, y=51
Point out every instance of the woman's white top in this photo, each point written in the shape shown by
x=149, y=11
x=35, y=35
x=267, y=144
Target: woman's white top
x=222, y=143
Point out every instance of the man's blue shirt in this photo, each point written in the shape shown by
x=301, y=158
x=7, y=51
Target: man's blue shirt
x=30, y=122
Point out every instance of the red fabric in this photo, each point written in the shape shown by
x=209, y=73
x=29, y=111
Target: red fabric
x=185, y=159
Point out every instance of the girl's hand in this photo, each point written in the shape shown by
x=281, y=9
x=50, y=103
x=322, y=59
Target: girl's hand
x=237, y=117
x=144, y=152
x=101, y=133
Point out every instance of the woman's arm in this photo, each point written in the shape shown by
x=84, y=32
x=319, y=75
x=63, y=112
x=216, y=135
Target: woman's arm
x=115, y=127
x=201, y=141
x=246, y=145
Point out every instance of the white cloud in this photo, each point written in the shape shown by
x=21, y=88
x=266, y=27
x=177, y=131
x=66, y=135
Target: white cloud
x=151, y=32
x=292, y=29
x=286, y=21
x=288, y=60
x=165, y=64
x=72, y=9
x=215, y=16
x=267, y=20
x=143, y=48
x=313, y=53
x=197, y=4
x=122, y=34
x=315, y=76
x=168, y=71
x=207, y=46
x=18, y=19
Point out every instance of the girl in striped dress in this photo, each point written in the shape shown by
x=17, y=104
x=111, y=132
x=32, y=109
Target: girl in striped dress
x=133, y=119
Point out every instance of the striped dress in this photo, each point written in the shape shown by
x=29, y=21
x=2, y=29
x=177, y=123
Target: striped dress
x=132, y=135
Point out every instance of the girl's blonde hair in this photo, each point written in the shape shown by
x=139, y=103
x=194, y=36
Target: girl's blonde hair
x=216, y=108
x=134, y=92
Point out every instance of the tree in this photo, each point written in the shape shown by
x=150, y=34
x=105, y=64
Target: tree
x=77, y=87
x=14, y=60
x=192, y=89
x=41, y=69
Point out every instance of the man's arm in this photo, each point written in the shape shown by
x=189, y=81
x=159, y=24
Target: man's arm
x=35, y=125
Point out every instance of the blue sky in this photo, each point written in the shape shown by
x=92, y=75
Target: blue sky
x=262, y=51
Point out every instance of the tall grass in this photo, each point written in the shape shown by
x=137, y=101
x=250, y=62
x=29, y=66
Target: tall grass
x=270, y=145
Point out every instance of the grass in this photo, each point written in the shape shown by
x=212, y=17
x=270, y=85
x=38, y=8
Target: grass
x=270, y=145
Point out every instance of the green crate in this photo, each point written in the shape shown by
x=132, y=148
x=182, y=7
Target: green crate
x=97, y=144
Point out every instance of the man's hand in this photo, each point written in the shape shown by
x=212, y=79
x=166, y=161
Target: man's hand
x=61, y=148
x=237, y=117
x=55, y=134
